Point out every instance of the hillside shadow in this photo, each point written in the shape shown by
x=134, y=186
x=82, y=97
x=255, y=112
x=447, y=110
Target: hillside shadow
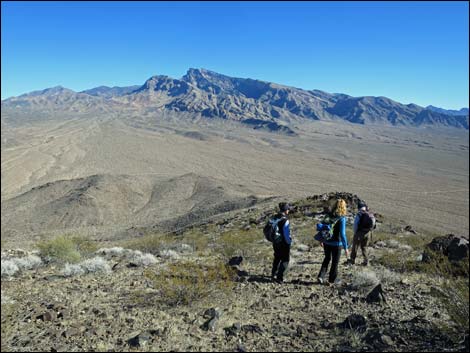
x=267, y=279
x=309, y=262
x=259, y=278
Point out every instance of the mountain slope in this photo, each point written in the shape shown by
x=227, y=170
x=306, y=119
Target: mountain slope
x=120, y=201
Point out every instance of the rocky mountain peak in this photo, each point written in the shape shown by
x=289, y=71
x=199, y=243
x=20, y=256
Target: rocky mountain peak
x=164, y=83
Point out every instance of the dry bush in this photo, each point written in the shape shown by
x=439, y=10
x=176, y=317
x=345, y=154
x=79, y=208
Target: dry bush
x=111, y=252
x=94, y=265
x=9, y=268
x=66, y=249
x=71, y=270
x=238, y=242
x=187, y=282
x=364, y=279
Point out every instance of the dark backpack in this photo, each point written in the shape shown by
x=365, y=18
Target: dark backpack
x=367, y=221
x=271, y=230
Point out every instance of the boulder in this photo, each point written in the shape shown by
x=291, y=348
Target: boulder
x=235, y=261
x=139, y=340
x=233, y=330
x=376, y=295
x=354, y=322
x=453, y=246
x=458, y=249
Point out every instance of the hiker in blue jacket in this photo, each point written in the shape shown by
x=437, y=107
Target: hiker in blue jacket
x=332, y=247
x=282, y=248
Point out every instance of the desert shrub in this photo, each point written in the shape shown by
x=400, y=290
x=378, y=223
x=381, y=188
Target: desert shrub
x=71, y=270
x=364, y=279
x=61, y=249
x=184, y=248
x=13, y=265
x=386, y=276
x=186, y=282
x=9, y=268
x=134, y=256
x=196, y=239
x=85, y=246
x=115, y=251
x=237, y=242
x=169, y=254
x=139, y=259
x=94, y=265
x=28, y=262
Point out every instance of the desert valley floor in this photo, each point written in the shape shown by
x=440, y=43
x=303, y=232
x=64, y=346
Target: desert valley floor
x=416, y=175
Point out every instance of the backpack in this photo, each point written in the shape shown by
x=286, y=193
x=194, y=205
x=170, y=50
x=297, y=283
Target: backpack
x=367, y=222
x=325, y=231
x=271, y=230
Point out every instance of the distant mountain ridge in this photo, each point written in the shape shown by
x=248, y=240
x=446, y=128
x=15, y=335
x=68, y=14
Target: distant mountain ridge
x=207, y=94
x=462, y=111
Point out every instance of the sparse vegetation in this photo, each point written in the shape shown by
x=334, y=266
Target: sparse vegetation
x=9, y=268
x=456, y=301
x=15, y=264
x=139, y=259
x=94, y=265
x=152, y=243
x=8, y=319
x=364, y=279
x=237, y=242
x=71, y=270
x=184, y=283
x=66, y=249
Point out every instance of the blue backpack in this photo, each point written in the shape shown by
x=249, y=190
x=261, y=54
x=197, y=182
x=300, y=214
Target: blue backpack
x=325, y=231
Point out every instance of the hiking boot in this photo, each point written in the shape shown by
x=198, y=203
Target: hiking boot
x=349, y=262
x=365, y=263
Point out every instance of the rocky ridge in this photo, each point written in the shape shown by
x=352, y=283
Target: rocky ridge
x=373, y=309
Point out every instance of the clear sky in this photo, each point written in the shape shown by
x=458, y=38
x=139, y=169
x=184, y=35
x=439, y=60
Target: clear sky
x=410, y=52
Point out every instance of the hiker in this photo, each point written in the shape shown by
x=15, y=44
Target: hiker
x=333, y=243
x=282, y=247
x=363, y=225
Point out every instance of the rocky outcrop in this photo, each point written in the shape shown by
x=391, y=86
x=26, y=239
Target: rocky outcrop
x=454, y=247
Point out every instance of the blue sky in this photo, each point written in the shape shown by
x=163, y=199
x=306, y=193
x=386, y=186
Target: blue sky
x=410, y=52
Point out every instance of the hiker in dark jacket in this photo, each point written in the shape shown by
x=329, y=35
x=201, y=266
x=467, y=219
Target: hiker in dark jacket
x=282, y=248
x=332, y=247
x=362, y=228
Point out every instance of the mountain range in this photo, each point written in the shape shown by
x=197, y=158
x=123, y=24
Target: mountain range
x=202, y=93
